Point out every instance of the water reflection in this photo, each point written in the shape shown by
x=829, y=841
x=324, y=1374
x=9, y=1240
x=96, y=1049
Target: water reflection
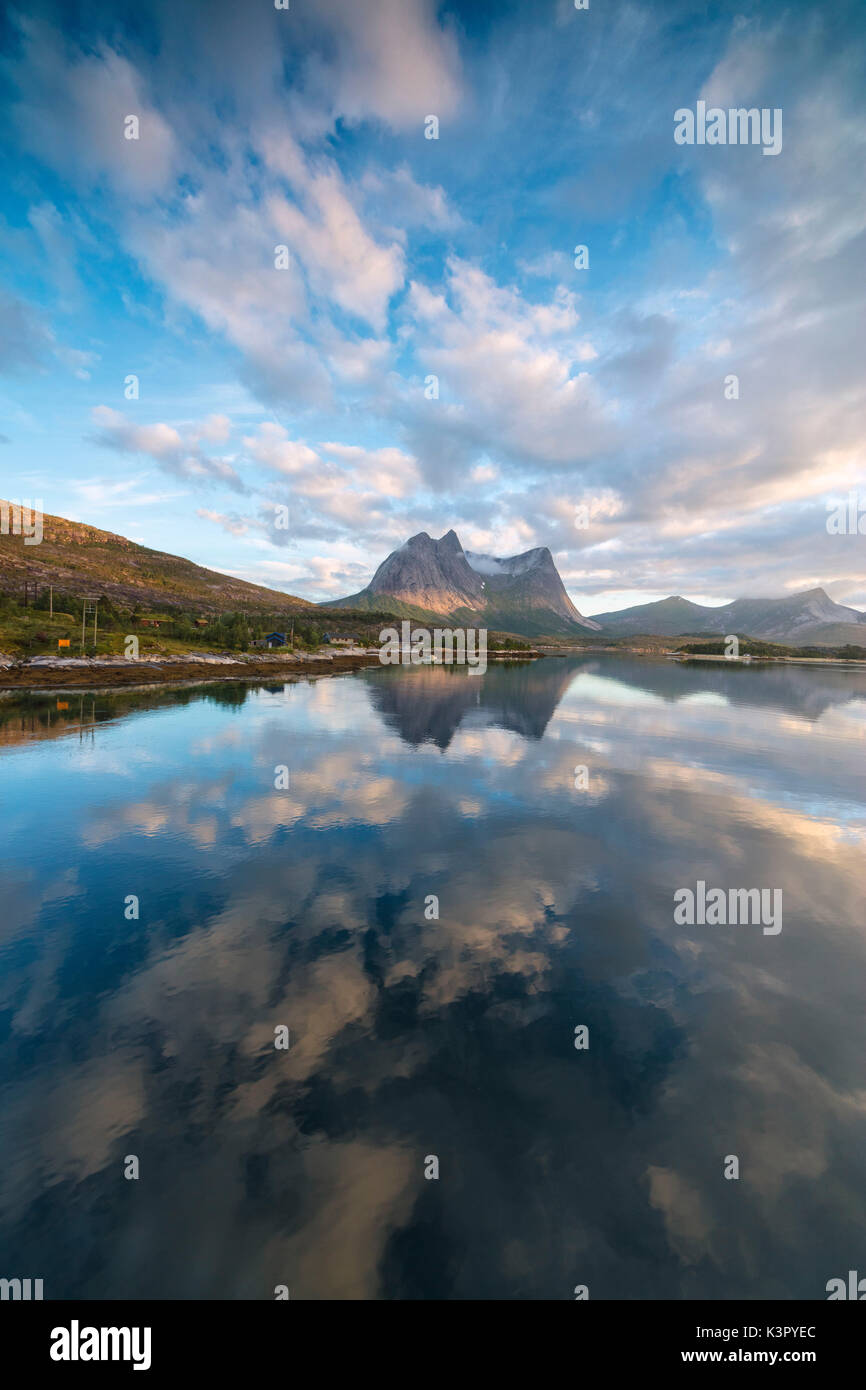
x=523, y=696
x=412, y=1036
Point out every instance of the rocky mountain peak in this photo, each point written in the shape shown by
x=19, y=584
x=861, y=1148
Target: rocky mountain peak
x=514, y=593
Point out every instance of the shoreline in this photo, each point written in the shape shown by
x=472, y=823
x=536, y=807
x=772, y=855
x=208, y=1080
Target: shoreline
x=115, y=676
x=108, y=675
x=121, y=675
x=749, y=660
x=673, y=654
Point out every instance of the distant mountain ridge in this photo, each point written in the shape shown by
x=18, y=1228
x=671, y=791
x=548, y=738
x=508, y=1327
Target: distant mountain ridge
x=810, y=618
x=430, y=579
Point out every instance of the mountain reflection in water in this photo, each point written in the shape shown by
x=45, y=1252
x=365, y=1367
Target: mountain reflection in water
x=454, y=1037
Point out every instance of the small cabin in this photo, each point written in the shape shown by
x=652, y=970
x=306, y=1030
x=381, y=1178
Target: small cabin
x=276, y=639
x=201, y=622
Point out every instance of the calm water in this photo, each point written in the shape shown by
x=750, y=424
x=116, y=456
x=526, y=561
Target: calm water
x=413, y=1037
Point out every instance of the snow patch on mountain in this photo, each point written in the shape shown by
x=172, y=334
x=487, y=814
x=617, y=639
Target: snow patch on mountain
x=512, y=565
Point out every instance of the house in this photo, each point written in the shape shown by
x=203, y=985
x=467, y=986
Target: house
x=276, y=639
x=148, y=622
x=201, y=622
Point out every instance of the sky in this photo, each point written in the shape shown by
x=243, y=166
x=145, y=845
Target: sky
x=344, y=331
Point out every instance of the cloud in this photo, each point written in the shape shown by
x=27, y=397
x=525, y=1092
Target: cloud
x=411, y=257
x=390, y=472
x=396, y=194
x=335, y=487
x=24, y=339
x=342, y=261
x=272, y=447
x=177, y=453
x=216, y=429
x=219, y=256
x=233, y=525
x=512, y=383
x=73, y=112
x=391, y=60
x=28, y=344
x=100, y=493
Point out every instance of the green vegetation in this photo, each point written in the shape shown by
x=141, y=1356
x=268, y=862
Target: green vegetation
x=30, y=630
x=390, y=610
x=750, y=646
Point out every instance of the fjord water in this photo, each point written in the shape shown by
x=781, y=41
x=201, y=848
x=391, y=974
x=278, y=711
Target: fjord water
x=413, y=1037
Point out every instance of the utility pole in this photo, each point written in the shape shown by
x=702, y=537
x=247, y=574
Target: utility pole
x=292, y=643
x=88, y=606
x=51, y=600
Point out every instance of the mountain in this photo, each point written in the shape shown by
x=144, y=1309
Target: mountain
x=80, y=559
x=808, y=619
x=525, y=594
x=811, y=618
x=668, y=618
x=431, y=581
x=437, y=580
x=433, y=575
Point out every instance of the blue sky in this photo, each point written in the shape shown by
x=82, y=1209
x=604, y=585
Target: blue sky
x=558, y=388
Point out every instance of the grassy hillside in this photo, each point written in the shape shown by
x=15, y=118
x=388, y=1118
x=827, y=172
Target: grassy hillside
x=395, y=608
x=82, y=560
x=169, y=604
x=526, y=619
x=34, y=631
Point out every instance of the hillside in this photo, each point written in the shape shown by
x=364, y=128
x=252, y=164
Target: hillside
x=82, y=560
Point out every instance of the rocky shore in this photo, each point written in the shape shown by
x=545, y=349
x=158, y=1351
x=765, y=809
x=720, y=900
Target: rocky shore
x=50, y=673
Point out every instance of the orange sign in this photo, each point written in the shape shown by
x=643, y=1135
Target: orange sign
x=62, y=704
x=63, y=641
